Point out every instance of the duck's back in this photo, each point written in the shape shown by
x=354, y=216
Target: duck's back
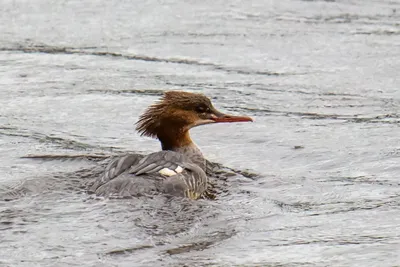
x=165, y=171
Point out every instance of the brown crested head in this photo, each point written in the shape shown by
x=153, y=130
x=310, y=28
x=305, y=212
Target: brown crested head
x=177, y=112
x=174, y=110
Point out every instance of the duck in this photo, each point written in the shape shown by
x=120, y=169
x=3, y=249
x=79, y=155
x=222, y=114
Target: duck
x=179, y=169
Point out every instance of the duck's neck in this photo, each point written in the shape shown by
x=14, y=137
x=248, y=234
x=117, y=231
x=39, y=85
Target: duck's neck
x=182, y=143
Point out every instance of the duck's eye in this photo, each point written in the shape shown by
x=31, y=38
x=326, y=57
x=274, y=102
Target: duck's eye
x=202, y=109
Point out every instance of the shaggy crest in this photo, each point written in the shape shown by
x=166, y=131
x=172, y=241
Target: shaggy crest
x=174, y=108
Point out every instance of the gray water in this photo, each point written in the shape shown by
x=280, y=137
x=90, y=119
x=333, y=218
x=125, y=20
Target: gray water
x=320, y=78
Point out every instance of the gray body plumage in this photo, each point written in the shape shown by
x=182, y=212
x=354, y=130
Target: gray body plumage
x=132, y=175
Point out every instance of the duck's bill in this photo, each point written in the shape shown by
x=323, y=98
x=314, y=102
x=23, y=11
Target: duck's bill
x=221, y=117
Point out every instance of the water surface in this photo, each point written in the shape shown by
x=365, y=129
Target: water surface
x=320, y=78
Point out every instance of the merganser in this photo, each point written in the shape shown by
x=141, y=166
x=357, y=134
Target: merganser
x=180, y=168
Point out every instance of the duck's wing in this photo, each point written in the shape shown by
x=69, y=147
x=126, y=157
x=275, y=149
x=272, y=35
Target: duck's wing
x=165, y=162
x=180, y=177
x=165, y=171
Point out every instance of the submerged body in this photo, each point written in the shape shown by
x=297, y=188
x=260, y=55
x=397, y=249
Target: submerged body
x=180, y=168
